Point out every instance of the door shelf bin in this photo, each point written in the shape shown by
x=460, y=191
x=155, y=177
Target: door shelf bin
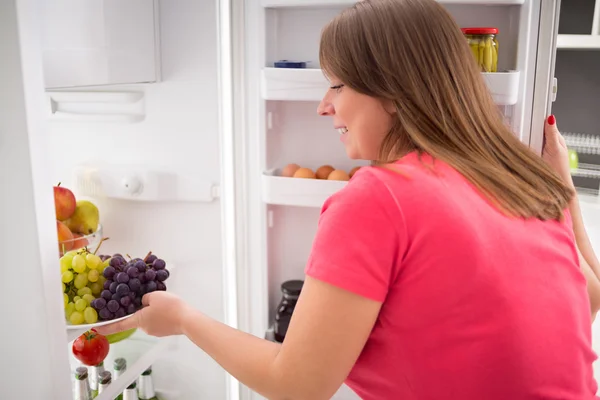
x=296, y=191
x=504, y=87
x=306, y=84
x=300, y=84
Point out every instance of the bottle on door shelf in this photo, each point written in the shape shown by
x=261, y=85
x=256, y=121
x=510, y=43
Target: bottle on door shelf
x=119, y=366
x=290, y=293
x=146, y=386
x=104, y=379
x=95, y=372
x=82, y=386
x=131, y=392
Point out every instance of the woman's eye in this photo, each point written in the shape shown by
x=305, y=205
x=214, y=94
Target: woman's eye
x=337, y=87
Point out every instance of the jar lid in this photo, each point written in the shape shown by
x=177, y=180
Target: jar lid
x=480, y=31
x=292, y=288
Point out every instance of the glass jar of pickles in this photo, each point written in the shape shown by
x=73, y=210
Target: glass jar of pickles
x=484, y=46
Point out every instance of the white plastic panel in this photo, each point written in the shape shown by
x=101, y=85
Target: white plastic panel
x=297, y=191
x=142, y=183
x=88, y=43
x=311, y=85
x=578, y=42
x=102, y=107
x=504, y=87
x=31, y=343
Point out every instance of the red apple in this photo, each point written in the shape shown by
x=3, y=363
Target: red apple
x=79, y=242
x=64, y=202
x=65, y=237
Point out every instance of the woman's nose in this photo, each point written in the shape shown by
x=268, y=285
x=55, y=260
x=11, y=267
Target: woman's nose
x=325, y=108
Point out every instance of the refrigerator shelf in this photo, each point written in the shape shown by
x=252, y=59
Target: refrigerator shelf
x=296, y=191
x=587, y=171
x=582, y=143
x=140, y=351
x=309, y=84
x=323, y=3
x=578, y=42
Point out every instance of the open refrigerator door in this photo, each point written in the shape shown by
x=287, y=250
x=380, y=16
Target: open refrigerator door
x=119, y=102
x=285, y=137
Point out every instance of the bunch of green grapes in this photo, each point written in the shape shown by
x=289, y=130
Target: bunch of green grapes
x=83, y=281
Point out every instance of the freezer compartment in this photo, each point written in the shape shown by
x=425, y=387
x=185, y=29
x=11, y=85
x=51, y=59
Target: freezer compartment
x=310, y=85
x=297, y=191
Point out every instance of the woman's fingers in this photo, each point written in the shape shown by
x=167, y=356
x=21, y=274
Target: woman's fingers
x=551, y=130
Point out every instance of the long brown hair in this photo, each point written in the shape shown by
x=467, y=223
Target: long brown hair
x=412, y=52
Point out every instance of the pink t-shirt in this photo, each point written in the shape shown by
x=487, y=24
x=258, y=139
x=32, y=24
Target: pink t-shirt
x=476, y=305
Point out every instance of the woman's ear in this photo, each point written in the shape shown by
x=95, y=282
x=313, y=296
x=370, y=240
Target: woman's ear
x=389, y=106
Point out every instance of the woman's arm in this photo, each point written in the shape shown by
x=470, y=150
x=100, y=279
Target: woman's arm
x=327, y=333
x=556, y=155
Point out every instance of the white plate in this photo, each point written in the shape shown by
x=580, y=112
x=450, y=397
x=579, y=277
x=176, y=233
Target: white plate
x=87, y=327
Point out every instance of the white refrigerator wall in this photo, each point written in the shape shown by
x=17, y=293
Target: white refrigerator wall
x=179, y=134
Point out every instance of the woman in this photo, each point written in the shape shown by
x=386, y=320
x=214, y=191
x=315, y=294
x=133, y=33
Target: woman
x=450, y=264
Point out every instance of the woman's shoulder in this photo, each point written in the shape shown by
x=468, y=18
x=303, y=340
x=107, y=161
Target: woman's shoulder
x=364, y=188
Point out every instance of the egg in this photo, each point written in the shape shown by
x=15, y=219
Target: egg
x=353, y=171
x=289, y=170
x=305, y=173
x=338, y=175
x=324, y=171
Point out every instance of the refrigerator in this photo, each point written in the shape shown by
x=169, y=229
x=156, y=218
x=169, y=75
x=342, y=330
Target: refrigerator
x=172, y=116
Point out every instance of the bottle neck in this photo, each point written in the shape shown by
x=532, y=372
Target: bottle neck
x=95, y=375
x=146, y=387
x=82, y=390
x=130, y=394
x=102, y=386
x=119, y=372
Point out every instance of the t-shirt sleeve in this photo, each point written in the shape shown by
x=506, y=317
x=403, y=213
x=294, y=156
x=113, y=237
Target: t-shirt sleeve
x=359, y=238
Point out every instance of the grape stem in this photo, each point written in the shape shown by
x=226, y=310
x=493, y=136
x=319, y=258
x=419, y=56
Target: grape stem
x=100, y=244
x=147, y=255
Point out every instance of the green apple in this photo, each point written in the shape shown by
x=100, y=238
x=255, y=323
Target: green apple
x=573, y=159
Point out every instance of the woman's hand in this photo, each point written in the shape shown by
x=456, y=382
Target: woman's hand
x=555, y=151
x=163, y=314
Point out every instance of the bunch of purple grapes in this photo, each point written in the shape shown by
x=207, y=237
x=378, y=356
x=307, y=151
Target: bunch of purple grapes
x=127, y=282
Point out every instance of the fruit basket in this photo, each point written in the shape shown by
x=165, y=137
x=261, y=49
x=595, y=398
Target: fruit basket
x=80, y=241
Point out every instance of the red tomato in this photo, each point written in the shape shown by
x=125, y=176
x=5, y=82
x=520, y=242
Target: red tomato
x=91, y=348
